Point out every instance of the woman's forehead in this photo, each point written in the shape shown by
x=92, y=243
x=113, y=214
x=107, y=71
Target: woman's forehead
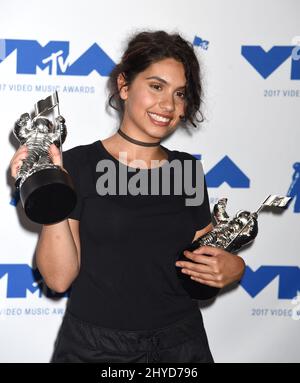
x=169, y=70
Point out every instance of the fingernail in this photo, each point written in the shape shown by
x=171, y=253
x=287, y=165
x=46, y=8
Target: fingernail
x=178, y=264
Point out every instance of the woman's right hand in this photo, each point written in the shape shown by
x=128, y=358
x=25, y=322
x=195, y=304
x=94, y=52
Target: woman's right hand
x=21, y=154
x=17, y=160
x=55, y=156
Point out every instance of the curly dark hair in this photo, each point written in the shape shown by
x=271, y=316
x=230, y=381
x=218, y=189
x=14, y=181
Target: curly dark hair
x=146, y=48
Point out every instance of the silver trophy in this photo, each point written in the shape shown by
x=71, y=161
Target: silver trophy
x=46, y=191
x=229, y=234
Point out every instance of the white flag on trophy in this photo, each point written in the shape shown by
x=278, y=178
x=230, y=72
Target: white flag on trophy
x=276, y=201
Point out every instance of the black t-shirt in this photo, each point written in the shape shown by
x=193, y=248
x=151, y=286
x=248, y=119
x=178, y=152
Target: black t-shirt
x=130, y=243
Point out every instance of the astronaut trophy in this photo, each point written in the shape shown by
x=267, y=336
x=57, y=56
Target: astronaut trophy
x=46, y=191
x=229, y=234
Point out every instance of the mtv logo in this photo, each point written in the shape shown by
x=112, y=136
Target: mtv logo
x=54, y=57
x=198, y=42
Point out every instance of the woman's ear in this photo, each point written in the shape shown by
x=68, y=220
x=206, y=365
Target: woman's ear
x=123, y=88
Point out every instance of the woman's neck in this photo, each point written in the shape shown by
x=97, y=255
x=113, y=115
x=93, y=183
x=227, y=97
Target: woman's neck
x=116, y=144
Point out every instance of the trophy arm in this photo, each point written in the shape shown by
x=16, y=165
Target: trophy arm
x=231, y=235
x=60, y=133
x=219, y=211
x=208, y=239
x=22, y=128
x=245, y=235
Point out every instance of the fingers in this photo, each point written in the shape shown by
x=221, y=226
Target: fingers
x=217, y=268
x=204, y=269
x=197, y=267
x=201, y=271
x=206, y=278
x=203, y=274
x=22, y=153
x=198, y=274
x=210, y=283
x=207, y=250
x=201, y=258
x=55, y=155
x=17, y=160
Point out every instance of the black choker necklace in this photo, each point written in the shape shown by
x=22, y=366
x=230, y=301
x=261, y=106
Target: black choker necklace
x=133, y=141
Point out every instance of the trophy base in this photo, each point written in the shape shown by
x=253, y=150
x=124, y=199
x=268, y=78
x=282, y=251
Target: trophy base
x=48, y=196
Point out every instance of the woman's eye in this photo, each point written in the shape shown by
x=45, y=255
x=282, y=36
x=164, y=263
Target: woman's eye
x=156, y=86
x=181, y=94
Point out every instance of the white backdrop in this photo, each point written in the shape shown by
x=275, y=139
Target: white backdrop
x=248, y=145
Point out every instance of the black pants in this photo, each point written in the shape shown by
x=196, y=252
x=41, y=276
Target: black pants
x=182, y=342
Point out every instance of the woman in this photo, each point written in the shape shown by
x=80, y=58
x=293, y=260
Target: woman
x=118, y=248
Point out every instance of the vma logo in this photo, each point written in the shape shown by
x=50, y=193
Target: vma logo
x=265, y=63
x=22, y=279
x=256, y=281
x=294, y=189
x=54, y=56
x=225, y=171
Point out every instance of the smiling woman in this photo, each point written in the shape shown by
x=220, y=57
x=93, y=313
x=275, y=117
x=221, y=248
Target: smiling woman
x=154, y=100
x=119, y=250
x=148, y=48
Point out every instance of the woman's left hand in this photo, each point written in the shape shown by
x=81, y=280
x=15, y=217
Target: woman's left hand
x=213, y=266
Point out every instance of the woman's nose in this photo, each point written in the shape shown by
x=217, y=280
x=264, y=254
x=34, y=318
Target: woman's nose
x=167, y=103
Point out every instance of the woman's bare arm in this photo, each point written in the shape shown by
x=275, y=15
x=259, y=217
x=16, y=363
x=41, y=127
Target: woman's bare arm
x=58, y=248
x=58, y=254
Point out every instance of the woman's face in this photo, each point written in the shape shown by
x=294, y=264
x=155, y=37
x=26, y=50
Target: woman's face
x=154, y=101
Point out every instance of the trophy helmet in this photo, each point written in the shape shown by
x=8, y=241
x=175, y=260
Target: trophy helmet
x=249, y=225
x=243, y=216
x=43, y=125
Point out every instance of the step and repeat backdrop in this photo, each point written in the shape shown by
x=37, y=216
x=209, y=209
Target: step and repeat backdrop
x=249, y=53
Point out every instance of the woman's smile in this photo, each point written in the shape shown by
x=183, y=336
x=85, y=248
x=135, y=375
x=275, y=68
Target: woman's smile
x=159, y=119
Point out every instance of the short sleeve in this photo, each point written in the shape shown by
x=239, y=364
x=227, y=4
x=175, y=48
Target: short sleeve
x=196, y=199
x=72, y=167
x=202, y=212
x=201, y=208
